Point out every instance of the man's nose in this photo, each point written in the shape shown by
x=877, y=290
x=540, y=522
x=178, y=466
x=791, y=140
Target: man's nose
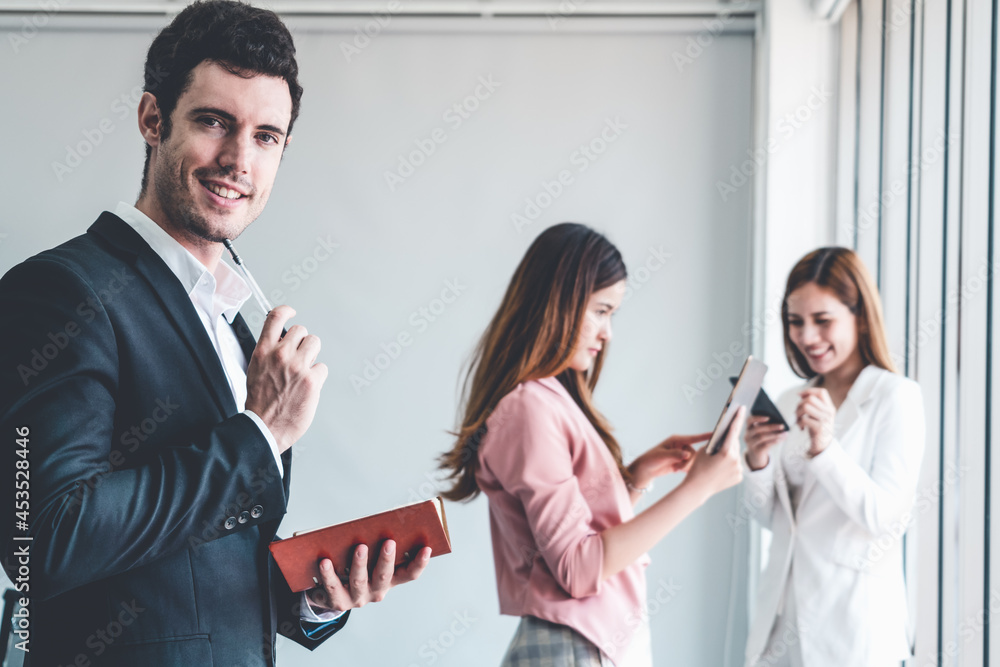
x=235, y=154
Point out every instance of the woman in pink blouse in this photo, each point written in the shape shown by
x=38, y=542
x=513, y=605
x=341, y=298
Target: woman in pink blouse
x=570, y=554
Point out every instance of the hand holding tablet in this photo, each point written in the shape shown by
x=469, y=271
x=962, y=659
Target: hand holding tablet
x=744, y=394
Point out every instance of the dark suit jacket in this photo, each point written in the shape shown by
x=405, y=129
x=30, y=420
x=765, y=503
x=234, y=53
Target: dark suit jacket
x=152, y=501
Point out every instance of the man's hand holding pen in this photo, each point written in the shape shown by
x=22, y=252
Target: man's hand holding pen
x=283, y=378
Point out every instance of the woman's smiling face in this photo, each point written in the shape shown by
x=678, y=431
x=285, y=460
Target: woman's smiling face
x=823, y=329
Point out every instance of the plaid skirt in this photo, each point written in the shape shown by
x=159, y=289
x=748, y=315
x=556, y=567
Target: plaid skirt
x=539, y=643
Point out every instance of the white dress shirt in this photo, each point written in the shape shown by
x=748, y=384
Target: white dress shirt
x=217, y=298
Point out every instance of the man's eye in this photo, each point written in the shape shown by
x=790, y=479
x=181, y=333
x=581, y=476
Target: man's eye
x=822, y=322
x=268, y=138
x=794, y=323
x=208, y=121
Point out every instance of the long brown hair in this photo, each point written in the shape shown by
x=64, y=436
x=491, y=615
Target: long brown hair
x=841, y=271
x=532, y=336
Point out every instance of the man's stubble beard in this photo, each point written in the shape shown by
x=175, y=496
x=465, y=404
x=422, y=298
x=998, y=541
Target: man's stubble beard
x=177, y=202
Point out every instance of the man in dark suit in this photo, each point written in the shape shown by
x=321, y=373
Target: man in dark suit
x=157, y=437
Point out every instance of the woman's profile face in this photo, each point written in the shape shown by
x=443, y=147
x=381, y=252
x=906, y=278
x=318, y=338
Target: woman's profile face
x=822, y=328
x=596, y=328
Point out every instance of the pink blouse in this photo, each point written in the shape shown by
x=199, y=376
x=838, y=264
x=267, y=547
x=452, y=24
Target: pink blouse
x=553, y=487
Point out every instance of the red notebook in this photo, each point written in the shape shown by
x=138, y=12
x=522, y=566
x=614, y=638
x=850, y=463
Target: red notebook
x=413, y=527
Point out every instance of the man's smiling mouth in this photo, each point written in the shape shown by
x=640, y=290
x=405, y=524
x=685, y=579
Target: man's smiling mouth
x=222, y=191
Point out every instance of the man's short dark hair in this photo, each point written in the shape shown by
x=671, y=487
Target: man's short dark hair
x=245, y=40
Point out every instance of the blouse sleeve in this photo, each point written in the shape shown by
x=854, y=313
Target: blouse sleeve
x=528, y=452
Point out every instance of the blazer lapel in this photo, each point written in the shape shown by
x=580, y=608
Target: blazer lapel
x=847, y=415
x=177, y=306
x=781, y=486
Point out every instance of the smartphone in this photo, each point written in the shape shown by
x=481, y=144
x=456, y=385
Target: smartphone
x=763, y=406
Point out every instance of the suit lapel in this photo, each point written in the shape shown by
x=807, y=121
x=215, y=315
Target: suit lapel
x=781, y=479
x=781, y=484
x=847, y=415
x=176, y=303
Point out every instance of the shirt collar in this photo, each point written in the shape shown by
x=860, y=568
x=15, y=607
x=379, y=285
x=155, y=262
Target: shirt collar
x=221, y=293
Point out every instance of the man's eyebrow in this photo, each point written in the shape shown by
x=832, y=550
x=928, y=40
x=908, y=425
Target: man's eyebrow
x=232, y=119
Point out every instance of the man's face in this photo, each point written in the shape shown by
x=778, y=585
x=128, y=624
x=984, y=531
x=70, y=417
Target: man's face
x=213, y=174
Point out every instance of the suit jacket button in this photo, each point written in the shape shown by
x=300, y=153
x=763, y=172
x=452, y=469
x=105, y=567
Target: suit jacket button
x=257, y=511
x=244, y=517
x=230, y=523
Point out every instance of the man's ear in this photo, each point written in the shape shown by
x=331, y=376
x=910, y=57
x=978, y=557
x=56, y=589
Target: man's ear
x=288, y=140
x=150, y=120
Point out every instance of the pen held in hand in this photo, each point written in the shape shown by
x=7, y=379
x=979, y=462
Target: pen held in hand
x=255, y=289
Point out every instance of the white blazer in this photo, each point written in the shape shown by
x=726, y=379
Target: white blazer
x=845, y=537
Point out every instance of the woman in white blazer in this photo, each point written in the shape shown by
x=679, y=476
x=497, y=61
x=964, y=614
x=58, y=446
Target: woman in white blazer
x=837, y=490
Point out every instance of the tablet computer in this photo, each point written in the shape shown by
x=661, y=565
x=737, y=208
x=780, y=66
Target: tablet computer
x=744, y=393
x=765, y=407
